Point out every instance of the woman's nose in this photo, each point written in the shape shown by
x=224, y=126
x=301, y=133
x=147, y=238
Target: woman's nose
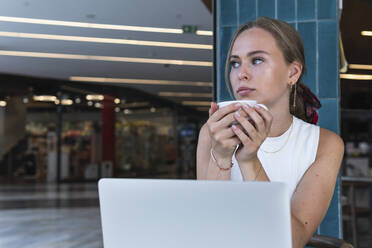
x=244, y=75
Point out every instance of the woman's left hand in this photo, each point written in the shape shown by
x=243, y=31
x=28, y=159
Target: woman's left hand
x=252, y=133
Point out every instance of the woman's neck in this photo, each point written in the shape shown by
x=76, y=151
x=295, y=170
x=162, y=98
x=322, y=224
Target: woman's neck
x=282, y=120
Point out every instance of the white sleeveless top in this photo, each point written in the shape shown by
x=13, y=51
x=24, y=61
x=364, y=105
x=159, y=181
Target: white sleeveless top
x=290, y=163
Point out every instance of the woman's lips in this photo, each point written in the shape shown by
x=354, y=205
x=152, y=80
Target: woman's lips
x=243, y=91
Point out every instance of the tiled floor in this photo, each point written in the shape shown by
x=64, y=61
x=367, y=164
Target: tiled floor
x=46, y=216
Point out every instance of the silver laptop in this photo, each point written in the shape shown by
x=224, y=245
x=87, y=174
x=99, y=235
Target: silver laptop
x=149, y=213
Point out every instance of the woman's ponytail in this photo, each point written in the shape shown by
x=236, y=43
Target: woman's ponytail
x=306, y=104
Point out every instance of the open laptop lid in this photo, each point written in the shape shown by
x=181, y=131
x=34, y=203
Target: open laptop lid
x=145, y=213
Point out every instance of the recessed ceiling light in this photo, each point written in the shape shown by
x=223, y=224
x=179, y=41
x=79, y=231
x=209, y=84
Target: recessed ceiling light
x=104, y=58
x=105, y=40
x=45, y=98
x=94, y=97
x=3, y=104
x=361, y=67
x=67, y=102
x=98, y=26
x=356, y=76
x=98, y=105
x=139, y=81
x=202, y=32
x=366, y=33
x=127, y=111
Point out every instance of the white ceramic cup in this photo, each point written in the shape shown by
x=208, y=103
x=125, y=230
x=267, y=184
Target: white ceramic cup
x=242, y=102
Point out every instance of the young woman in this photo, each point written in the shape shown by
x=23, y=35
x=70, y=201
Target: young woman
x=266, y=62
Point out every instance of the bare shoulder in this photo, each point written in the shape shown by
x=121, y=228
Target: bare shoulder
x=330, y=140
x=331, y=146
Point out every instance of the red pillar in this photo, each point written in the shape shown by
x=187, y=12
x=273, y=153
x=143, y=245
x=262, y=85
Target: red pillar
x=108, y=130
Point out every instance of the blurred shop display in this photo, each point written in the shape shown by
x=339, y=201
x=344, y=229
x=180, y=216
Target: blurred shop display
x=188, y=139
x=359, y=167
x=149, y=145
x=357, y=193
x=146, y=136
x=141, y=146
x=107, y=169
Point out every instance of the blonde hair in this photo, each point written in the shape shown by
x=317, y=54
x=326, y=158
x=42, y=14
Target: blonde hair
x=289, y=42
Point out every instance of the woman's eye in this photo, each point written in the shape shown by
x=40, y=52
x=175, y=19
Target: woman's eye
x=234, y=64
x=257, y=61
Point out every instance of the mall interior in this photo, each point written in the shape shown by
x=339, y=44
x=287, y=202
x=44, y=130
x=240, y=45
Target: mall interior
x=120, y=89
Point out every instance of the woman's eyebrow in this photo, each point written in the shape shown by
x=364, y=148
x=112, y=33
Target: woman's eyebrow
x=233, y=57
x=255, y=52
x=250, y=54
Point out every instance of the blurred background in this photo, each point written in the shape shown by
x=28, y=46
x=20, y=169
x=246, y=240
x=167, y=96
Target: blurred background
x=120, y=88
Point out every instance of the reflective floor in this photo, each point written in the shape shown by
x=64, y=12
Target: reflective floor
x=66, y=216
x=48, y=215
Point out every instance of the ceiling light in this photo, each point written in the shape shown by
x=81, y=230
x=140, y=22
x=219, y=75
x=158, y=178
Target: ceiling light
x=117, y=109
x=67, y=102
x=105, y=40
x=127, y=111
x=361, y=67
x=117, y=101
x=45, y=98
x=98, y=26
x=152, y=110
x=25, y=100
x=94, y=97
x=78, y=100
x=56, y=102
x=3, y=104
x=366, y=33
x=90, y=103
x=138, y=81
x=98, y=105
x=356, y=76
x=105, y=58
x=203, y=32
x=185, y=94
x=196, y=103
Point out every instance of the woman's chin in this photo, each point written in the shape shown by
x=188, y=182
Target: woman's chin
x=245, y=98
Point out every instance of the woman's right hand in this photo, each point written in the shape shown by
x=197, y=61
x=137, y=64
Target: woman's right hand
x=224, y=140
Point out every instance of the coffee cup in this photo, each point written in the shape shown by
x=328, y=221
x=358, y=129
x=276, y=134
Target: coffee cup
x=242, y=102
x=251, y=103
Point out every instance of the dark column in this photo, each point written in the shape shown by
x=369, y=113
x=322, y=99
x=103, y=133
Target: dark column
x=108, y=131
x=59, y=137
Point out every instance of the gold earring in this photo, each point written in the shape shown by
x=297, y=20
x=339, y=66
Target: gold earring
x=294, y=97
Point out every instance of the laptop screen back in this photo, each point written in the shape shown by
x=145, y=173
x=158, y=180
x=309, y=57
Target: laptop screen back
x=143, y=213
